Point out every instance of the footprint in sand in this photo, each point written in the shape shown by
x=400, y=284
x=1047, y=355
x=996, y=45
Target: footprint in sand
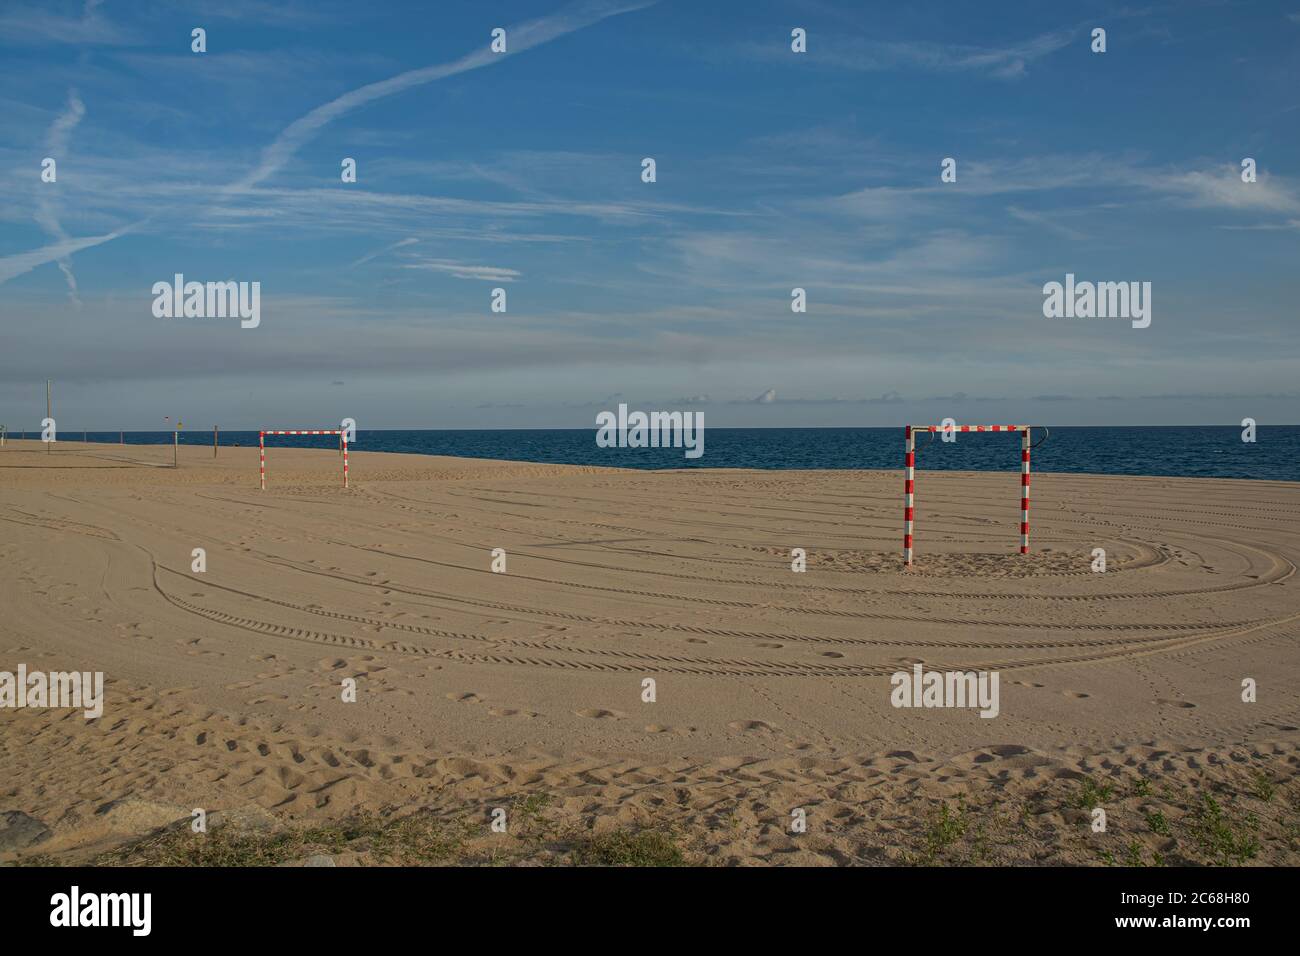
x=751, y=726
x=469, y=697
x=1184, y=704
x=1077, y=695
x=661, y=729
x=596, y=713
x=510, y=712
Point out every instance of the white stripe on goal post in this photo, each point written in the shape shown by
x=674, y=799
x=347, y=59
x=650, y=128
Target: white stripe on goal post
x=261, y=445
x=909, y=483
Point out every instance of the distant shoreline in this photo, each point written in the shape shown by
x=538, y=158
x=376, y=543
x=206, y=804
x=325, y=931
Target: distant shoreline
x=199, y=430
x=1188, y=451
x=1178, y=451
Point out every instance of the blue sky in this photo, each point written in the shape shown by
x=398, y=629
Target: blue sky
x=775, y=170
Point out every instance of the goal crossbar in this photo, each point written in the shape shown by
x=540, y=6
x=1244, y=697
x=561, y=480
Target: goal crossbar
x=909, y=484
x=261, y=446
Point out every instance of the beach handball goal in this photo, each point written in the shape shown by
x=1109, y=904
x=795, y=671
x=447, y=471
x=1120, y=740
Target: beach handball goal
x=909, y=484
x=261, y=446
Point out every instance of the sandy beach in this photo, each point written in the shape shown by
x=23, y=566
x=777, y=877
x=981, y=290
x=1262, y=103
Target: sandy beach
x=524, y=689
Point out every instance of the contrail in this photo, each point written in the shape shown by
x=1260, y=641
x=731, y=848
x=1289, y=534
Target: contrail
x=522, y=36
x=13, y=266
x=379, y=252
x=56, y=144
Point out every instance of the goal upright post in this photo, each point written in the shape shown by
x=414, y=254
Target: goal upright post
x=909, y=470
x=1024, y=491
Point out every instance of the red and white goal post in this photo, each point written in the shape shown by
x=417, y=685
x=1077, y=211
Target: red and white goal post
x=261, y=446
x=909, y=485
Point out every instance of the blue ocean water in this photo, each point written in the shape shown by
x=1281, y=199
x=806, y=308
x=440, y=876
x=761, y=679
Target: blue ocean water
x=1192, y=451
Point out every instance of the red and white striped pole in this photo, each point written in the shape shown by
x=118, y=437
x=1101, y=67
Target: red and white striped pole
x=1024, y=491
x=908, y=499
x=261, y=457
x=345, y=460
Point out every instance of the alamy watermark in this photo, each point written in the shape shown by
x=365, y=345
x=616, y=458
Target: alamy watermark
x=652, y=430
x=208, y=300
x=1101, y=300
x=75, y=908
x=946, y=689
x=77, y=690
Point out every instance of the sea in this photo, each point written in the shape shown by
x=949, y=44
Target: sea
x=1196, y=451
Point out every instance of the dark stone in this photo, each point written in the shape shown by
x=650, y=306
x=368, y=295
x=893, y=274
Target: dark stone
x=18, y=831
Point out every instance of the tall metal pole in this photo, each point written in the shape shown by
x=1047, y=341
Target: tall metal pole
x=176, y=445
x=47, y=411
x=214, y=441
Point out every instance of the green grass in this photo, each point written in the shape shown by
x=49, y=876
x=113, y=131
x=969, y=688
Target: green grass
x=627, y=848
x=946, y=828
x=1092, y=794
x=411, y=840
x=1133, y=854
x=528, y=810
x=1157, y=823
x=1224, y=841
x=417, y=839
x=1262, y=786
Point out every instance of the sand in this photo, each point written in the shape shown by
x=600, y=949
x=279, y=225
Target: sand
x=479, y=690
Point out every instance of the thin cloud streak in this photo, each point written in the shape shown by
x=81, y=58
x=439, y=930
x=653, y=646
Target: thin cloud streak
x=35, y=27
x=13, y=266
x=464, y=270
x=521, y=37
x=862, y=55
x=56, y=146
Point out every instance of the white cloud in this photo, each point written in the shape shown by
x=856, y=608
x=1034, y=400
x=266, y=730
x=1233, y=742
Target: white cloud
x=464, y=270
x=1222, y=188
